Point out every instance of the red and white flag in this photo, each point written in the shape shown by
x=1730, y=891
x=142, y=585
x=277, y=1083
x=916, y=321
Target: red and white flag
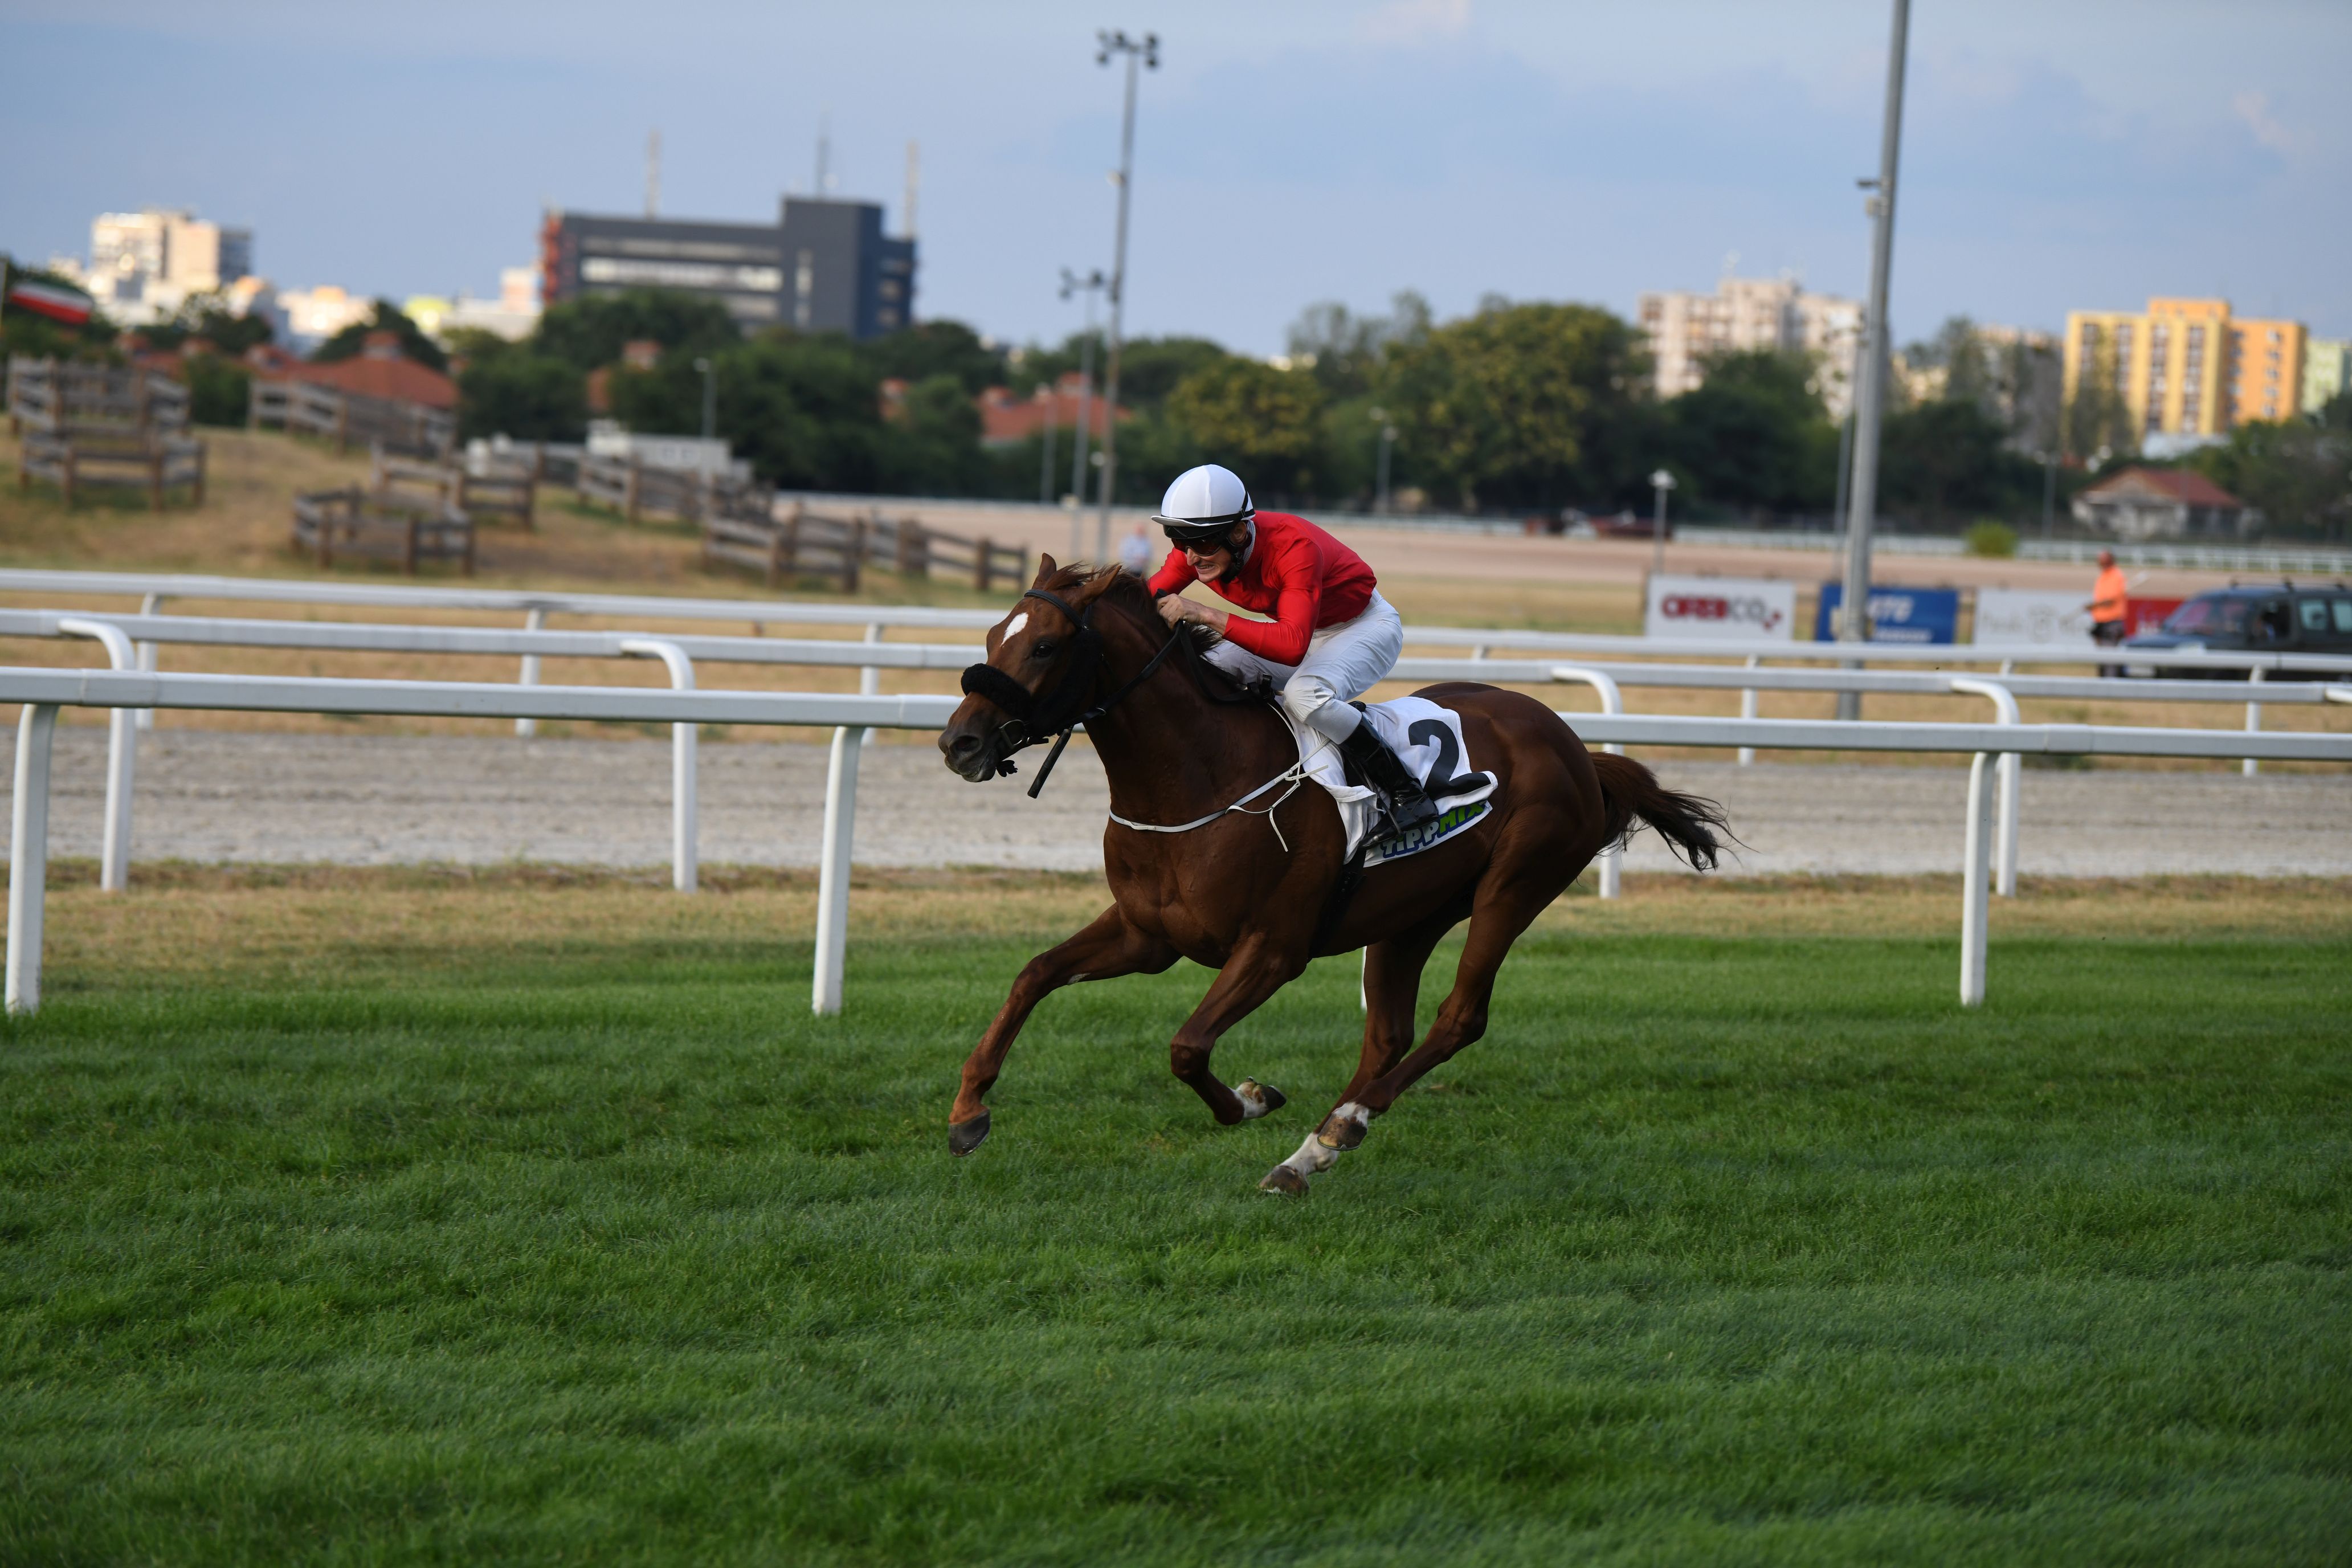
x=56, y=300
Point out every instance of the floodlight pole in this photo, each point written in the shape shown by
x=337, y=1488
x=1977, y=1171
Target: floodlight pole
x=1146, y=52
x=1870, y=395
x=1090, y=285
x=1660, y=482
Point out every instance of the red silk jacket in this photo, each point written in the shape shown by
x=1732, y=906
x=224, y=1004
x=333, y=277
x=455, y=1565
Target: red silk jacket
x=1297, y=574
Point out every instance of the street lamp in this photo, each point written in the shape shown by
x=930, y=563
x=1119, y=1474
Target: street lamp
x=1146, y=52
x=1045, y=462
x=1090, y=285
x=1660, y=481
x=710, y=397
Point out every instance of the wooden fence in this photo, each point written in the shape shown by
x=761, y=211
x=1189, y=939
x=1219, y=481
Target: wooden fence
x=348, y=417
x=70, y=398
x=798, y=543
x=504, y=492
x=354, y=521
x=637, y=491
x=137, y=459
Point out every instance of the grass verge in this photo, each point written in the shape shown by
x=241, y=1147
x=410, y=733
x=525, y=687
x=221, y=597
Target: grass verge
x=535, y=1219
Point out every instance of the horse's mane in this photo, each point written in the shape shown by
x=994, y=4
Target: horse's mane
x=1113, y=586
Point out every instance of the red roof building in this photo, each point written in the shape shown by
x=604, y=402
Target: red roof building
x=379, y=371
x=1006, y=419
x=2164, y=503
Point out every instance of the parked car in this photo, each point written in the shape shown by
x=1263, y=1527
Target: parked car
x=2279, y=618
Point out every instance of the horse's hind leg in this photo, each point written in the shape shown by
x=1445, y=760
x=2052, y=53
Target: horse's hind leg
x=1503, y=910
x=1392, y=971
x=1107, y=948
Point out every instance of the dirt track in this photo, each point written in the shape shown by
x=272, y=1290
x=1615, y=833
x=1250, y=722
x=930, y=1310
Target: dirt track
x=372, y=800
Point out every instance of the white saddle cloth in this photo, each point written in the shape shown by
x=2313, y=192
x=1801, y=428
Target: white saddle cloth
x=1428, y=738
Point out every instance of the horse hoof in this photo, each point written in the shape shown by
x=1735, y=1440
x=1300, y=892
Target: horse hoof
x=1283, y=1179
x=965, y=1136
x=1259, y=1098
x=1344, y=1128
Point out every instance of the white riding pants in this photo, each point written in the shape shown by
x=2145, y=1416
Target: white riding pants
x=1342, y=662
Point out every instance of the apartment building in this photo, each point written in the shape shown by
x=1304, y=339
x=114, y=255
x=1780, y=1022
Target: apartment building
x=2187, y=368
x=1685, y=329
x=144, y=265
x=2327, y=372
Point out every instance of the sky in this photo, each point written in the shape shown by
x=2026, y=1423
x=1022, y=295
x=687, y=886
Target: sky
x=2056, y=153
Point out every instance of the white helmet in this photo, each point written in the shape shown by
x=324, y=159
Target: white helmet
x=1203, y=505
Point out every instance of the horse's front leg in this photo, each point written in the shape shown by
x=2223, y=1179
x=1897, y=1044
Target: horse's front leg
x=1108, y=947
x=1258, y=967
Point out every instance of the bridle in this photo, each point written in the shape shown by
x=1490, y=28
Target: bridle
x=1056, y=713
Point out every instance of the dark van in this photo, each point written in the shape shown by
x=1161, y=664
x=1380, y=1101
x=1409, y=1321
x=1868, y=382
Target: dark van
x=2279, y=619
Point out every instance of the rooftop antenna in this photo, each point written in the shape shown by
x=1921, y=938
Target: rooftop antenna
x=914, y=183
x=653, y=174
x=823, y=151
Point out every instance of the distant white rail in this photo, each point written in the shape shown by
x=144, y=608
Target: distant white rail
x=44, y=691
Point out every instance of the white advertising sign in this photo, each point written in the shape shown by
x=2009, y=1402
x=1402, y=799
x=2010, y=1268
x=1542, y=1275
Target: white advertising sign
x=2038, y=618
x=1736, y=609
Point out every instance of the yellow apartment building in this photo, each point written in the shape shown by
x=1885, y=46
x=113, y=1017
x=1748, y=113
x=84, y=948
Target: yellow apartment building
x=2188, y=367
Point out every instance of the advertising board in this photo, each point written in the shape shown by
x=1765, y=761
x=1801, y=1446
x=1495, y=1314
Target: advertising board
x=2032, y=617
x=1897, y=614
x=1736, y=609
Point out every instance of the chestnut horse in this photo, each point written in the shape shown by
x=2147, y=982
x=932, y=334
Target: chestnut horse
x=1217, y=852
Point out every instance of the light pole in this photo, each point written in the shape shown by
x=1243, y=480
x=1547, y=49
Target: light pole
x=710, y=397
x=1090, y=285
x=1388, y=439
x=2049, y=489
x=1144, y=52
x=1045, y=462
x=1661, y=482
x=1870, y=396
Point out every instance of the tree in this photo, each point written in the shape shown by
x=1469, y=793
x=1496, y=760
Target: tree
x=219, y=390
x=2096, y=420
x=932, y=447
x=528, y=397
x=2298, y=470
x=1348, y=352
x=1150, y=368
x=28, y=333
x=1261, y=422
x=1947, y=458
x=387, y=317
x=939, y=347
x=1754, y=433
x=1521, y=403
x=803, y=408
x=207, y=316
x=589, y=332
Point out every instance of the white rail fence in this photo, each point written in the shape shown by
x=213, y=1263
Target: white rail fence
x=120, y=634
x=44, y=691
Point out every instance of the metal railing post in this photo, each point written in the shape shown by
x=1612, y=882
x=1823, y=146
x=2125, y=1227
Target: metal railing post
x=685, y=829
x=1974, y=919
x=2251, y=766
x=1748, y=710
x=28, y=854
x=832, y=869
x=121, y=754
x=1611, y=861
x=536, y=620
x=150, y=605
x=2011, y=767
x=869, y=676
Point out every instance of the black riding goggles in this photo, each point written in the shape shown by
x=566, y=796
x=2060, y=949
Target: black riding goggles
x=1205, y=533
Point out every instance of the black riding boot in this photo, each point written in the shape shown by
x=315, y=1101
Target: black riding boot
x=1402, y=796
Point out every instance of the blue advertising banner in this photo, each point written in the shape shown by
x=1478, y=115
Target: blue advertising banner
x=1897, y=615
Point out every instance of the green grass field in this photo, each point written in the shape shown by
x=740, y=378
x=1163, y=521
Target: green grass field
x=1738, y=1249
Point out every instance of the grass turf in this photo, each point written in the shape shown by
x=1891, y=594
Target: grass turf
x=1748, y=1248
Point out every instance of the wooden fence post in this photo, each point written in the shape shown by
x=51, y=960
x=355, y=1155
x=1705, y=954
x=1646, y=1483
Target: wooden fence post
x=65, y=476
x=199, y=501
x=984, y=558
x=155, y=478
x=852, y=554
x=629, y=484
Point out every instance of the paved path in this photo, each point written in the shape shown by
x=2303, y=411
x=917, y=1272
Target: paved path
x=363, y=800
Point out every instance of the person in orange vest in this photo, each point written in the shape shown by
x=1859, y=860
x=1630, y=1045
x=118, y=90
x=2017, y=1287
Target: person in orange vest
x=2110, y=599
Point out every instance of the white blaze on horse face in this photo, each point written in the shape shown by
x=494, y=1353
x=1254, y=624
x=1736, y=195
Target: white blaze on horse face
x=1012, y=628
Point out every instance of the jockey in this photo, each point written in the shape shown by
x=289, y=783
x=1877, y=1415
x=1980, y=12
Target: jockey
x=1332, y=636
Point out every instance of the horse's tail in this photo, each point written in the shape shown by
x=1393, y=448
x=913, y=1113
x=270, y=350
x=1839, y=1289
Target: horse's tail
x=1688, y=823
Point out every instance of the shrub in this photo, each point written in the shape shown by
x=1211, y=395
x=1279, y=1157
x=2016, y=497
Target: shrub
x=1986, y=537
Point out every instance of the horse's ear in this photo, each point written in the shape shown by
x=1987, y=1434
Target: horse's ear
x=1045, y=570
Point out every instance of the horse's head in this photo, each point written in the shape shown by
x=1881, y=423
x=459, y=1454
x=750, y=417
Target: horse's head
x=1044, y=662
